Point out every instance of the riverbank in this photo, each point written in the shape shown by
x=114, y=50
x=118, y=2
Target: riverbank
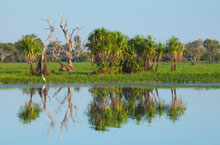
x=18, y=73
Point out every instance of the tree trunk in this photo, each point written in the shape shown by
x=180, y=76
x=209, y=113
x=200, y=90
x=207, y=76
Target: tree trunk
x=151, y=67
x=145, y=64
x=2, y=60
x=175, y=62
x=63, y=66
x=193, y=61
x=70, y=64
x=172, y=63
x=31, y=68
x=158, y=60
x=45, y=70
x=210, y=59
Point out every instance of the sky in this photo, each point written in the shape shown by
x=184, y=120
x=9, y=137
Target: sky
x=187, y=19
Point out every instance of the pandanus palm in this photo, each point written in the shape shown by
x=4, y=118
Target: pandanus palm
x=149, y=52
x=108, y=50
x=175, y=48
x=32, y=49
x=159, y=51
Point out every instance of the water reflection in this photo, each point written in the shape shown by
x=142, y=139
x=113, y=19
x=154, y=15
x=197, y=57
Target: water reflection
x=111, y=107
x=31, y=111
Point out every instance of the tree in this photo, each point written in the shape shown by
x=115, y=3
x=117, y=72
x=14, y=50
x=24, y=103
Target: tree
x=43, y=58
x=108, y=49
x=159, y=51
x=31, y=110
x=212, y=47
x=69, y=41
x=194, y=50
x=149, y=52
x=55, y=48
x=175, y=48
x=32, y=48
x=78, y=47
x=145, y=49
x=6, y=49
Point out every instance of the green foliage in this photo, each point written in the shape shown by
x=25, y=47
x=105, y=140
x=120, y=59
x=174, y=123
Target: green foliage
x=108, y=50
x=111, y=107
x=31, y=45
x=29, y=113
x=6, y=50
x=194, y=50
x=17, y=73
x=213, y=48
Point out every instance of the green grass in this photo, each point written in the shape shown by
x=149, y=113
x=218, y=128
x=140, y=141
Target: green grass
x=18, y=73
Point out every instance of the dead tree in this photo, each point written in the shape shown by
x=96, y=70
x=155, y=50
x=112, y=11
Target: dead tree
x=43, y=58
x=69, y=40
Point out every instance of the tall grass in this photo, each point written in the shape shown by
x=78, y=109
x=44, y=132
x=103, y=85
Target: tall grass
x=19, y=73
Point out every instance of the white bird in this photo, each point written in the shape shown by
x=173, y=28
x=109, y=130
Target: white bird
x=43, y=78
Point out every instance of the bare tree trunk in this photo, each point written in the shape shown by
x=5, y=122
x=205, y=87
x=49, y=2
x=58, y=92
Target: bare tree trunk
x=63, y=66
x=193, y=61
x=69, y=41
x=43, y=58
x=2, y=59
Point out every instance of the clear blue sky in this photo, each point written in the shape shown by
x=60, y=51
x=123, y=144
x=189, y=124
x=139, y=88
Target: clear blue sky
x=187, y=19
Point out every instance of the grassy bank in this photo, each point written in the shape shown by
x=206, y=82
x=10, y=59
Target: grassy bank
x=18, y=73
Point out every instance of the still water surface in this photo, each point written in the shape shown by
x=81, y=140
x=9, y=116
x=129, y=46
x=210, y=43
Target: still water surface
x=97, y=115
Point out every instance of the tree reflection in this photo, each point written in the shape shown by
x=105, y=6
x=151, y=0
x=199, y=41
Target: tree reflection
x=176, y=108
x=31, y=110
x=113, y=106
x=109, y=108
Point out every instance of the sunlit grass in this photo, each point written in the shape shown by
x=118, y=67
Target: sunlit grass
x=18, y=73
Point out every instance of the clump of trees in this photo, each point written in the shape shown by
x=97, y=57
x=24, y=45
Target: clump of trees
x=108, y=50
x=34, y=49
x=113, y=52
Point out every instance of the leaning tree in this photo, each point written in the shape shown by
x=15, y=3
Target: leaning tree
x=43, y=58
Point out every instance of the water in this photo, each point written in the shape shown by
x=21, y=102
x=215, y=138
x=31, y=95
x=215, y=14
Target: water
x=97, y=115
